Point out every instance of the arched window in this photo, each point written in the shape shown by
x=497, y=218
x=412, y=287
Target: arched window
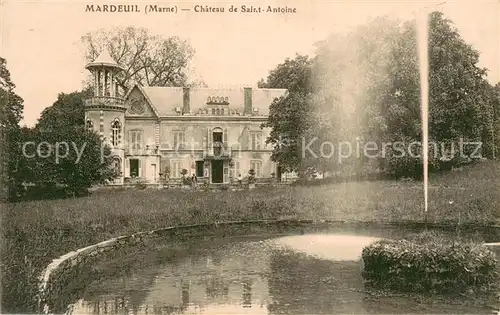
x=115, y=132
x=213, y=111
x=218, y=111
x=222, y=111
x=89, y=125
x=217, y=135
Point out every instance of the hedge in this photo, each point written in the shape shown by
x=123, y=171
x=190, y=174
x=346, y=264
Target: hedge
x=428, y=264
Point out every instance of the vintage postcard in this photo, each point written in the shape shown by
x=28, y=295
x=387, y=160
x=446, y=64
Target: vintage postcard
x=250, y=157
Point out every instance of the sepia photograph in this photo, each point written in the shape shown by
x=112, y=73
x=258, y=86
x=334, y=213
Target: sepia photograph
x=262, y=157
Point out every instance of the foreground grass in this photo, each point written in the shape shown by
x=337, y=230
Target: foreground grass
x=36, y=232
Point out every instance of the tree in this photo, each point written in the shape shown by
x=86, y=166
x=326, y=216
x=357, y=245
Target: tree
x=364, y=86
x=11, y=104
x=149, y=59
x=11, y=113
x=289, y=116
x=459, y=105
x=350, y=79
x=67, y=111
x=81, y=162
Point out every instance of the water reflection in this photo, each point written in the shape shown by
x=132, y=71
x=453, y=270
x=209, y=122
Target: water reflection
x=306, y=274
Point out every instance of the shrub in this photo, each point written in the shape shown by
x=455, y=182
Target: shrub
x=251, y=176
x=187, y=181
x=429, y=264
x=141, y=184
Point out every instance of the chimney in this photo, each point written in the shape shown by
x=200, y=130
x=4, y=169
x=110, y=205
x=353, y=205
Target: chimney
x=185, y=101
x=247, y=101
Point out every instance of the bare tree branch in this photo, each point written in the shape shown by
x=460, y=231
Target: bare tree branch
x=148, y=59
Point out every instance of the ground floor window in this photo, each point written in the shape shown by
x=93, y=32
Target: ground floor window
x=176, y=169
x=257, y=167
x=200, y=168
x=134, y=168
x=237, y=170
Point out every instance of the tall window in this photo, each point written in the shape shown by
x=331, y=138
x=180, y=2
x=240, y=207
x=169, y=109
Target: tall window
x=176, y=168
x=256, y=140
x=178, y=140
x=136, y=139
x=89, y=125
x=237, y=170
x=257, y=167
x=116, y=129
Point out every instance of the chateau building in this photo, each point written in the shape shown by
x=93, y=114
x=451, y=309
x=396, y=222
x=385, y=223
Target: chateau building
x=215, y=134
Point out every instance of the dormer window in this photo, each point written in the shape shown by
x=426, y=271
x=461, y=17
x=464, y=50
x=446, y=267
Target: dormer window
x=217, y=100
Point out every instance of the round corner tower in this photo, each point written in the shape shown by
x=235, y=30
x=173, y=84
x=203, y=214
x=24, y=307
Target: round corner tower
x=105, y=110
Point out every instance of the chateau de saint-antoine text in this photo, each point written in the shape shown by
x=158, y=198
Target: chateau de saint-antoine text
x=197, y=8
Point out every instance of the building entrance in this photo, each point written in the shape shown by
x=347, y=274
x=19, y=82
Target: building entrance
x=217, y=172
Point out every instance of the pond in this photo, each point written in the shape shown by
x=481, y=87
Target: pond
x=310, y=273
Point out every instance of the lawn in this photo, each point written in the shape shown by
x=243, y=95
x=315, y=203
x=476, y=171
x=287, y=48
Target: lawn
x=36, y=232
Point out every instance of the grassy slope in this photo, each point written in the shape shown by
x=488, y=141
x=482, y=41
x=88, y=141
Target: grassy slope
x=36, y=232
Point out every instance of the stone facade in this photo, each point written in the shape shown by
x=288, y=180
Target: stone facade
x=156, y=132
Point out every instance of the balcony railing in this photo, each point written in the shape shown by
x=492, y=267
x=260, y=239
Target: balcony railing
x=104, y=100
x=218, y=151
x=141, y=151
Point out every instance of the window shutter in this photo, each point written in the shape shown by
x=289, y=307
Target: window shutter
x=226, y=172
x=130, y=140
x=224, y=138
x=249, y=137
x=246, y=138
x=204, y=143
x=209, y=137
x=139, y=167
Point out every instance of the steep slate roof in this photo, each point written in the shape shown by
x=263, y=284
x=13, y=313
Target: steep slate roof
x=166, y=99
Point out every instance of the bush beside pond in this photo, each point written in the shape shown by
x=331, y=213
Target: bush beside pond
x=430, y=264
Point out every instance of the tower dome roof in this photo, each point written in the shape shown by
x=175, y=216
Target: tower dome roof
x=104, y=60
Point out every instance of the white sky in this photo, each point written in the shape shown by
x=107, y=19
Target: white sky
x=40, y=39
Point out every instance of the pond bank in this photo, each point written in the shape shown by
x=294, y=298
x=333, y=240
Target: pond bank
x=54, y=294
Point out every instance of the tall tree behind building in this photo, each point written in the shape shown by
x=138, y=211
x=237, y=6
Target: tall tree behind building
x=365, y=85
x=289, y=116
x=150, y=60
